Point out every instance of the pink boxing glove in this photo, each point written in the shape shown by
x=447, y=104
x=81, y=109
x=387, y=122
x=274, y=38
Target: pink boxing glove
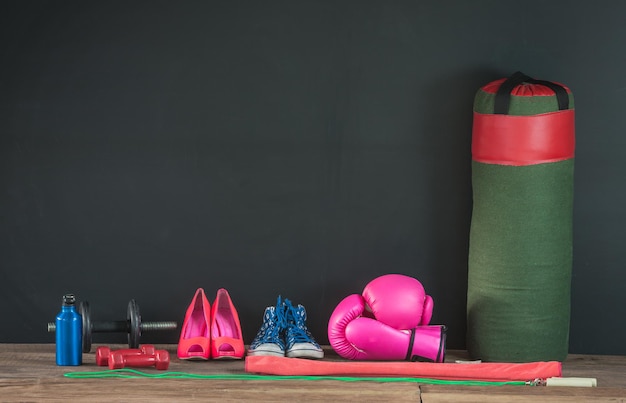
x=398, y=301
x=356, y=337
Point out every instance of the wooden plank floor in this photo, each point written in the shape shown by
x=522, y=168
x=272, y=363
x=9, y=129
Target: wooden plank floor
x=28, y=373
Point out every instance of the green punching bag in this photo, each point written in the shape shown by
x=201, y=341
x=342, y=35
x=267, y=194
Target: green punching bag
x=520, y=250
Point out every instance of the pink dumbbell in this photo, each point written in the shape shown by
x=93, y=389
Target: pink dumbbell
x=160, y=360
x=103, y=353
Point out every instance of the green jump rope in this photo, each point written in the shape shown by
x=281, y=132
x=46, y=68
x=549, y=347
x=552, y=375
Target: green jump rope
x=131, y=373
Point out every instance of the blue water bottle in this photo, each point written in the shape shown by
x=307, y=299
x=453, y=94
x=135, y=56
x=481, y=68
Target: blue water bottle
x=69, y=333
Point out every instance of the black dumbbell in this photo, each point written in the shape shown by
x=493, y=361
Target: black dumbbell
x=132, y=325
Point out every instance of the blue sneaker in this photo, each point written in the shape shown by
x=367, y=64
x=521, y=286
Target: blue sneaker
x=300, y=342
x=269, y=339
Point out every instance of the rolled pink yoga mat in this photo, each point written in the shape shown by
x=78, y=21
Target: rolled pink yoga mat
x=450, y=371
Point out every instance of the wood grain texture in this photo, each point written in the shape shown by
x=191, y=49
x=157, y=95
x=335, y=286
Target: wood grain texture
x=28, y=373
x=482, y=394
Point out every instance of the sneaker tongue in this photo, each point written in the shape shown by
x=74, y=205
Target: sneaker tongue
x=270, y=315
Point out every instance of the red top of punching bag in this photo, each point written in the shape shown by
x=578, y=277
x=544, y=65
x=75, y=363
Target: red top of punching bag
x=523, y=140
x=525, y=90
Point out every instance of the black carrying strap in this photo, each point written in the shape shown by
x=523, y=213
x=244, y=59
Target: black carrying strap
x=503, y=96
x=409, y=352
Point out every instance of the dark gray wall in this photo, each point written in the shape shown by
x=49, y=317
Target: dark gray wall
x=299, y=148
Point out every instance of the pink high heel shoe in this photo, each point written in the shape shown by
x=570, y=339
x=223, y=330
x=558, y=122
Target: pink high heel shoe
x=226, y=338
x=195, y=337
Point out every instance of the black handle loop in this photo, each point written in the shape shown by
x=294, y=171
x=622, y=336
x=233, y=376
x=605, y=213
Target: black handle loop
x=503, y=95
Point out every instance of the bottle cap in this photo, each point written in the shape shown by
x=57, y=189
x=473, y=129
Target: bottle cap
x=69, y=299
